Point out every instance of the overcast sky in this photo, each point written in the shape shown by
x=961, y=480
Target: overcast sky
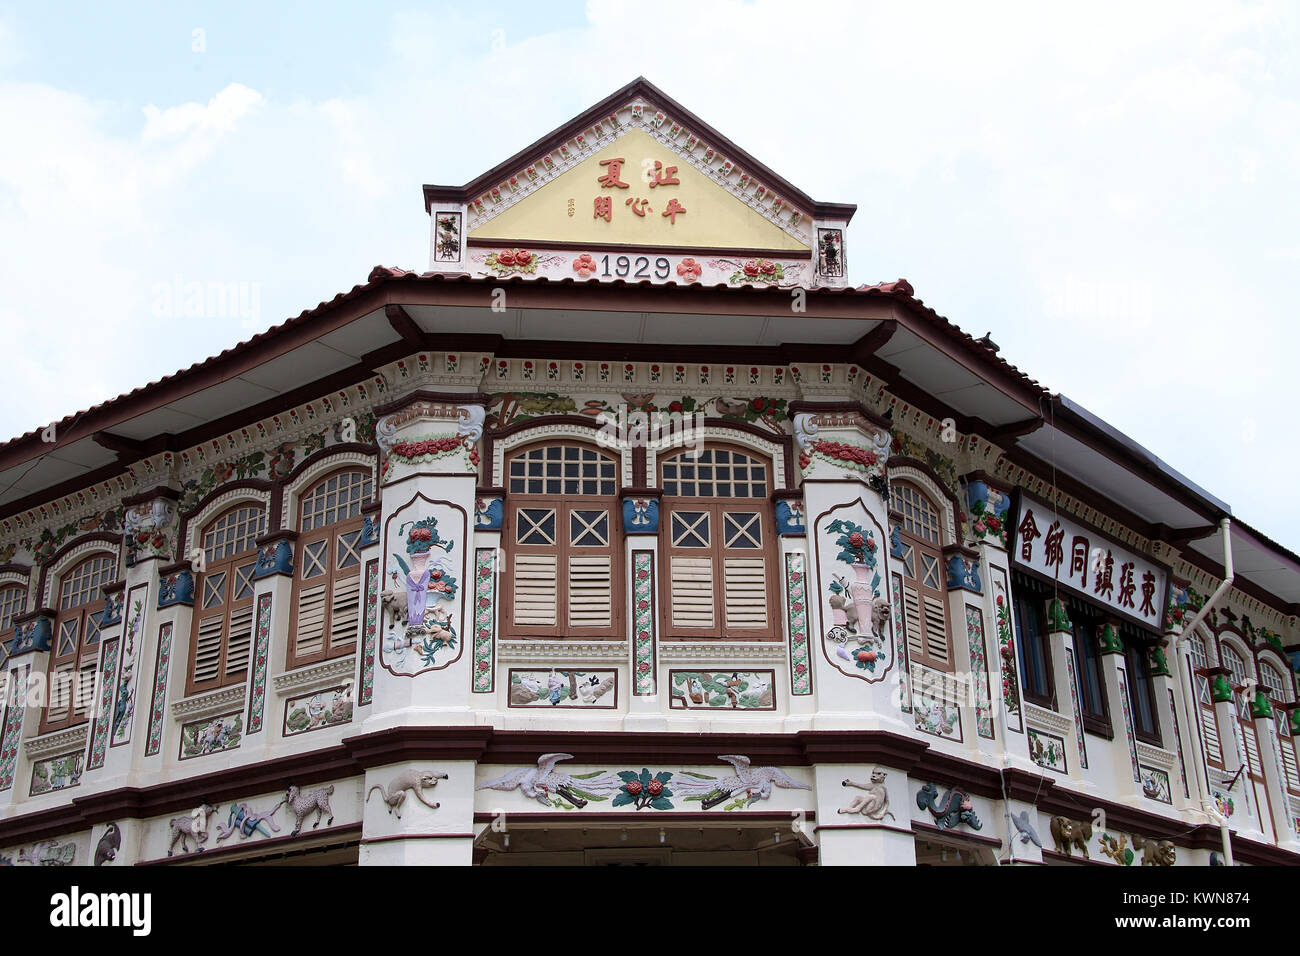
x=1113, y=192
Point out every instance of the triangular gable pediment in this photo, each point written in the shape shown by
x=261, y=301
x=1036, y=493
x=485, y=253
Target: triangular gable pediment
x=680, y=187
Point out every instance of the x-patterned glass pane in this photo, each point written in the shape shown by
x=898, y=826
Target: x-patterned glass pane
x=92, y=627
x=68, y=637
x=214, y=589
x=589, y=529
x=690, y=529
x=348, y=554
x=244, y=581
x=313, y=559
x=930, y=574
x=536, y=526
x=742, y=529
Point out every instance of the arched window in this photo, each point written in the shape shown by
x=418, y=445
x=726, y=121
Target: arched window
x=1273, y=679
x=1205, y=704
x=925, y=618
x=75, y=649
x=566, y=554
x=716, y=537
x=222, y=631
x=1240, y=672
x=327, y=583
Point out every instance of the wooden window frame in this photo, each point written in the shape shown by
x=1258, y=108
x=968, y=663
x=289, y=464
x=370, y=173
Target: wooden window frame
x=334, y=536
x=717, y=549
x=1031, y=601
x=1241, y=703
x=915, y=541
x=563, y=549
x=1137, y=660
x=10, y=610
x=229, y=566
x=1086, y=625
x=85, y=655
x=1205, y=706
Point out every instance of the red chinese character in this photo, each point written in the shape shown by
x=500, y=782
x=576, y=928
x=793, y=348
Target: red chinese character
x=603, y=208
x=1104, y=583
x=1079, y=559
x=639, y=206
x=1126, y=584
x=1054, y=553
x=614, y=168
x=1148, y=592
x=1028, y=531
x=674, y=207
x=664, y=176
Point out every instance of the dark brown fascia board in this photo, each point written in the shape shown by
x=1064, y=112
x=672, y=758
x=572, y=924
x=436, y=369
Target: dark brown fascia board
x=651, y=94
x=128, y=449
x=405, y=326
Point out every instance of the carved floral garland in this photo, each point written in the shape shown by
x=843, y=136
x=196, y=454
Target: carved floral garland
x=844, y=454
x=429, y=449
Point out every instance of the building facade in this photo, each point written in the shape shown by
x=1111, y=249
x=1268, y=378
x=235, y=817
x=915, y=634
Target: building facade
x=631, y=532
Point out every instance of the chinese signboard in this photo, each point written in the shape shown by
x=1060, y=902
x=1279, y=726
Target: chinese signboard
x=1083, y=561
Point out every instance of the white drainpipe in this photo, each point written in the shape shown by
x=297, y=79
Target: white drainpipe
x=1189, y=704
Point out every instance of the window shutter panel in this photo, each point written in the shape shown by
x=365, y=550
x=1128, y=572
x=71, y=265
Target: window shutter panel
x=936, y=633
x=344, y=611
x=62, y=688
x=745, y=590
x=241, y=639
x=207, y=652
x=83, y=699
x=1252, y=750
x=310, y=638
x=692, y=591
x=1213, y=749
x=590, y=590
x=912, y=618
x=535, y=589
x=1289, y=765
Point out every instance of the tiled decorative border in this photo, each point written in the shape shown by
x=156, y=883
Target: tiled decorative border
x=796, y=592
x=123, y=708
x=900, y=643
x=158, y=700
x=16, y=700
x=367, y=690
x=1178, y=747
x=1007, y=651
x=1071, y=673
x=1128, y=723
x=109, y=654
x=643, y=623
x=979, y=672
x=484, y=681
x=261, y=648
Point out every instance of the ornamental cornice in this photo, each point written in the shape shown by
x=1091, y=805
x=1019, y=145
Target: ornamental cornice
x=1048, y=720
x=671, y=652
x=1162, y=758
x=318, y=676
x=74, y=738
x=210, y=704
x=538, y=651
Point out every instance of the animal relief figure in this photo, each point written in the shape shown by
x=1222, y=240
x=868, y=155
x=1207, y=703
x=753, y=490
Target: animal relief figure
x=1069, y=833
x=875, y=805
x=109, y=844
x=953, y=810
x=748, y=784
x=246, y=821
x=192, y=826
x=304, y=803
x=413, y=780
x=538, y=783
x=1155, y=853
x=49, y=853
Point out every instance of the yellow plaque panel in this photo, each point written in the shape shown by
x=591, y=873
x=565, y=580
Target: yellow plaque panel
x=587, y=206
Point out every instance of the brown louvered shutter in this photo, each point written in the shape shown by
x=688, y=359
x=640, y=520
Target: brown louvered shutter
x=925, y=616
x=223, y=613
x=560, y=527
x=718, y=543
x=327, y=585
x=74, y=655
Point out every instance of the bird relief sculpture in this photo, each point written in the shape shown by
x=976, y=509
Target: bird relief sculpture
x=857, y=614
x=423, y=610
